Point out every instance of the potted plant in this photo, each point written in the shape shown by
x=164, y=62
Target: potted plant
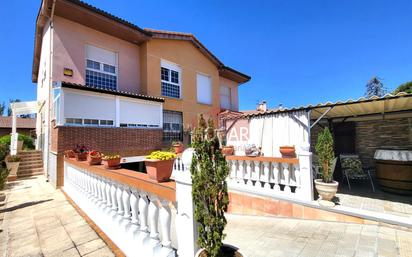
x=80, y=153
x=159, y=165
x=287, y=151
x=111, y=161
x=94, y=158
x=209, y=171
x=69, y=154
x=228, y=150
x=178, y=147
x=326, y=186
x=12, y=163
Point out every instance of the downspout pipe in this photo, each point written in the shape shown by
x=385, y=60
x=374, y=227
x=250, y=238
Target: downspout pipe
x=50, y=89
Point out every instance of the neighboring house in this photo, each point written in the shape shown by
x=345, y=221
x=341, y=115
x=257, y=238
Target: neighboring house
x=113, y=86
x=24, y=125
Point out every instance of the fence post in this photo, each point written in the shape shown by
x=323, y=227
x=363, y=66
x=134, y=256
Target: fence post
x=305, y=166
x=186, y=229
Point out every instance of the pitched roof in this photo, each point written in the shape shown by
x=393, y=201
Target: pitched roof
x=112, y=92
x=389, y=103
x=6, y=122
x=80, y=11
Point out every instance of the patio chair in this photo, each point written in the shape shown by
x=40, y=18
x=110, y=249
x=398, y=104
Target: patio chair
x=352, y=169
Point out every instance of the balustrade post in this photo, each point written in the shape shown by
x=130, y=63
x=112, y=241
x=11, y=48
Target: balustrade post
x=165, y=221
x=306, y=175
x=266, y=175
x=134, y=206
x=143, y=209
x=240, y=173
x=119, y=193
x=276, y=176
x=154, y=242
x=248, y=175
x=232, y=165
x=108, y=195
x=286, y=175
x=256, y=173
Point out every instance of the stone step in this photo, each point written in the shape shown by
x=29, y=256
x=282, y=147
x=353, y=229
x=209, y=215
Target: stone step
x=30, y=158
x=36, y=164
x=30, y=174
x=29, y=170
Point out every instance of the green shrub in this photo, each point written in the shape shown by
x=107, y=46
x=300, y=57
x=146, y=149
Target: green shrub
x=27, y=141
x=210, y=196
x=324, y=149
x=4, y=151
x=12, y=158
x=4, y=172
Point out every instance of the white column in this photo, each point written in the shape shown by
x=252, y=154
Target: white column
x=248, y=174
x=276, y=176
x=186, y=231
x=165, y=220
x=306, y=175
x=266, y=175
x=240, y=172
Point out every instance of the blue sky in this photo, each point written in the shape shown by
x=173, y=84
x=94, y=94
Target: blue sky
x=297, y=52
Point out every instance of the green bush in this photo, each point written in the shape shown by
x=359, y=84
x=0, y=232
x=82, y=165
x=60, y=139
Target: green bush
x=4, y=172
x=210, y=196
x=324, y=149
x=405, y=87
x=4, y=151
x=27, y=141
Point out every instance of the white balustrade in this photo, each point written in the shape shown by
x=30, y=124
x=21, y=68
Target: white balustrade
x=274, y=177
x=138, y=222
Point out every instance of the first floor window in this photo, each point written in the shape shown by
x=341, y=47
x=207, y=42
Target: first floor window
x=170, y=79
x=204, y=89
x=225, y=102
x=172, y=125
x=101, y=68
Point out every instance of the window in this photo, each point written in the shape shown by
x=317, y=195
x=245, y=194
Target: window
x=74, y=121
x=204, y=89
x=170, y=76
x=172, y=126
x=89, y=122
x=56, y=105
x=106, y=123
x=225, y=102
x=101, y=68
x=132, y=125
x=92, y=122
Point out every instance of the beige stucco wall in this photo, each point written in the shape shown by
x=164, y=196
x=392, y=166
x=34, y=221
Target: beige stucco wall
x=191, y=62
x=69, y=43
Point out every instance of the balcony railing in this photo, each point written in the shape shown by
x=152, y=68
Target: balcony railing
x=271, y=176
x=133, y=211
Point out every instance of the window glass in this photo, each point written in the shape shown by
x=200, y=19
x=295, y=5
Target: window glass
x=170, y=81
x=172, y=125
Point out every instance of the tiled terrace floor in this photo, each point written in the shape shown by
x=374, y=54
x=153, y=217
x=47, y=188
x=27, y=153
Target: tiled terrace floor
x=37, y=220
x=267, y=236
x=362, y=197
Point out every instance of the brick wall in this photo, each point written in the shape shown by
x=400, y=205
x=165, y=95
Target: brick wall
x=376, y=134
x=126, y=141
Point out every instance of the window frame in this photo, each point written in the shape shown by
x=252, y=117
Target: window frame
x=166, y=137
x=101, y=67
x=170, y=67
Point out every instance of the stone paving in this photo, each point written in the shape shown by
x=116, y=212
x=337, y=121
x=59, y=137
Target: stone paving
x=37, y=220
x=267, y=236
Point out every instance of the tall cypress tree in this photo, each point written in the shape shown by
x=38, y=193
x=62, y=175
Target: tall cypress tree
x=210, y=196
x=375, y=87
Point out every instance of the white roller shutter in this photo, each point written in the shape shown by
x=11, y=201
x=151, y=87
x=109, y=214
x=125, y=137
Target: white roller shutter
x=204, y=89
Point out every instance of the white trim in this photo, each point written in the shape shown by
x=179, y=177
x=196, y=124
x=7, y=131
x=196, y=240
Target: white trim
x=117, y=116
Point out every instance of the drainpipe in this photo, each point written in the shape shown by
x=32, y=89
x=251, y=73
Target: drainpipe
x=50, y=89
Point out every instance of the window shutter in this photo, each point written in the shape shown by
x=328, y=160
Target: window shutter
x=204, y=89
x=100, y=55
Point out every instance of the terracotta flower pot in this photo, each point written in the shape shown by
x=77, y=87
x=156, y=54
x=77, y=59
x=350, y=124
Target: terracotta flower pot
x=112, y=164
x=81, y=156
x=326, y=190
x=94, y=160
x=179, y=148
x=159, y=170
x=228, y=150
x=287, y=151
x=69, y=154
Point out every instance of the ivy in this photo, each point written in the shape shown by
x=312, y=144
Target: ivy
x=209, y=190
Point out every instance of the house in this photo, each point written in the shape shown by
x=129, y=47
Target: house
x=113, y=86
x=24, y=125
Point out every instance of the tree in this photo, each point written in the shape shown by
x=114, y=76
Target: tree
x=210, y=196
x=324, y=149
x=2, y=108
x=405, y=87
x=375, y=87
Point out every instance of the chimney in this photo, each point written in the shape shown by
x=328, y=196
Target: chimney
x=262, y=106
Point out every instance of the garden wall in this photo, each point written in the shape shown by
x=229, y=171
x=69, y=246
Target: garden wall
x=375, y=134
